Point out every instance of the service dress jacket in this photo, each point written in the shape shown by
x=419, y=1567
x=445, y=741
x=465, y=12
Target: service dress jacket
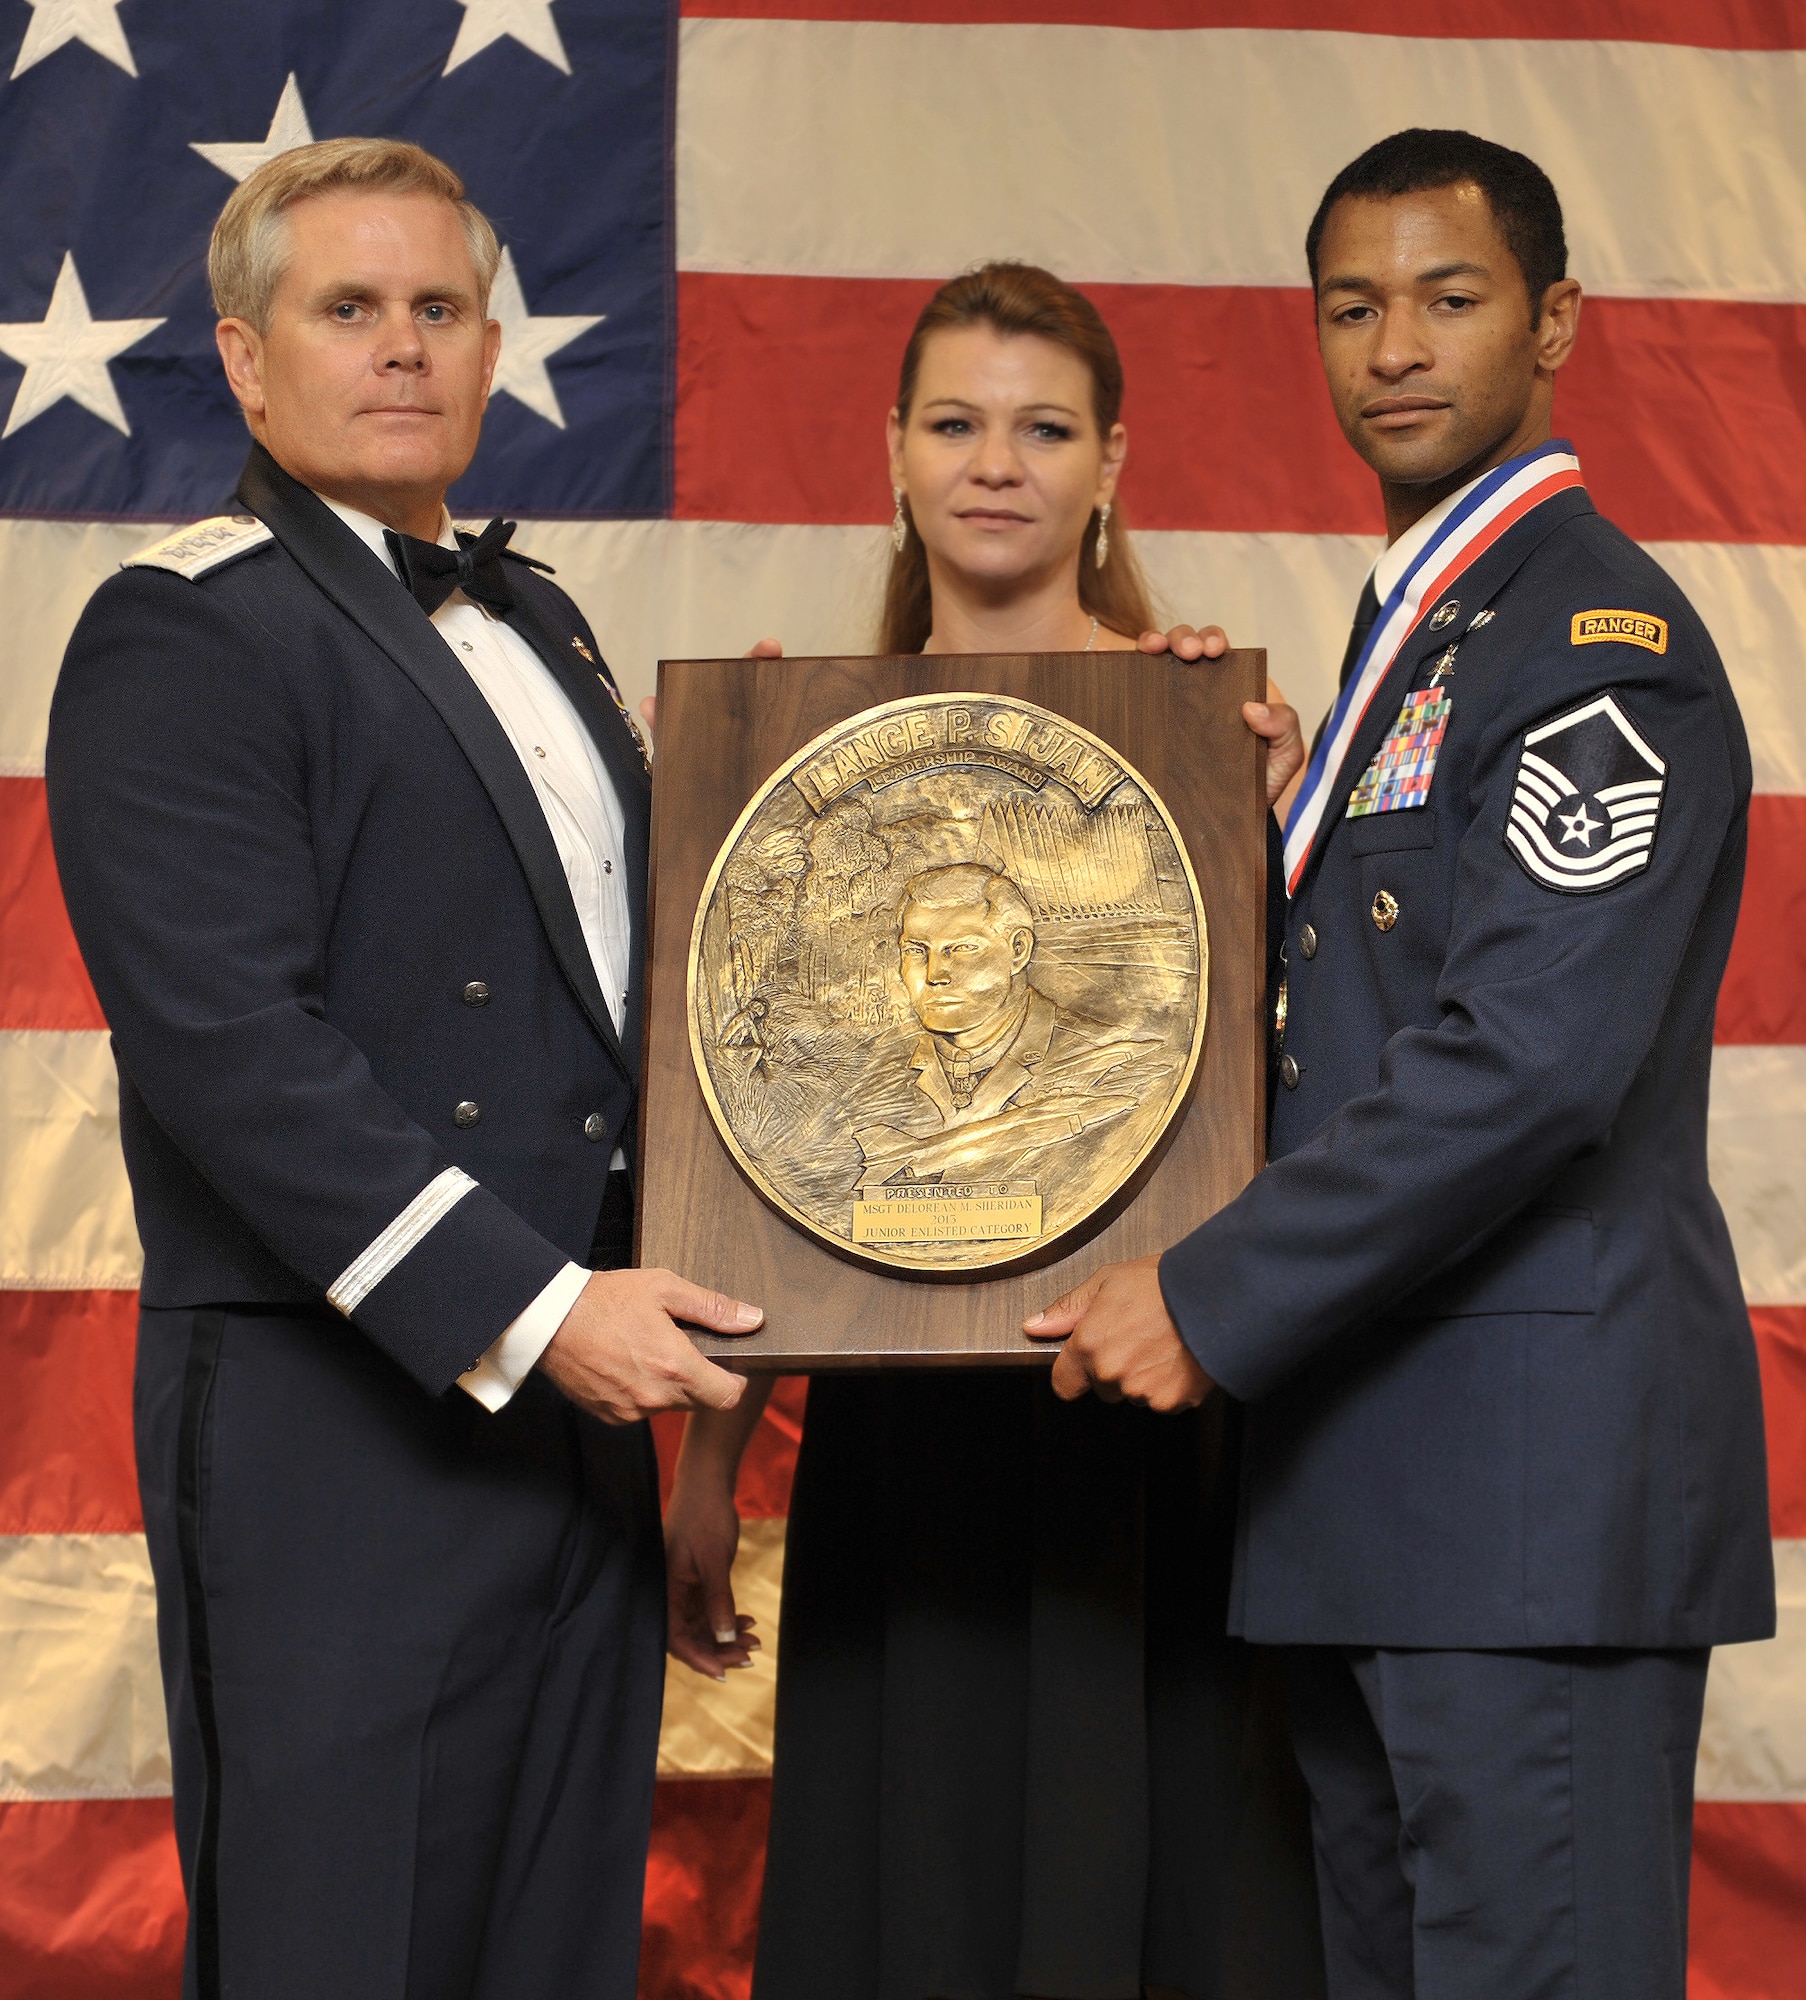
x=1482, y=1303
x=329, y=927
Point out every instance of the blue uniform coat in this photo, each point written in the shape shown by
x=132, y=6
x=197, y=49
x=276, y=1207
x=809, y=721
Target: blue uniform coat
x=290, y=1062
x=1482, y=1302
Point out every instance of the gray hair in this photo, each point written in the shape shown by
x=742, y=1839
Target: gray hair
x=250, y=247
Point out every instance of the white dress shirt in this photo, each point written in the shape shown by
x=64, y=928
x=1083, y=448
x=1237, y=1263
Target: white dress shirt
x=583, y=812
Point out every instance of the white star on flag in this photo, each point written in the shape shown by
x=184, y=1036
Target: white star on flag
x=54, y=22
x=529, y=342
x=66, y=354
x=528, y=21
x=288, y=129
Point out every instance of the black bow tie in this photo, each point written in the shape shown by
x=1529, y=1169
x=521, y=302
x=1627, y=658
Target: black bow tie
x=431, y=573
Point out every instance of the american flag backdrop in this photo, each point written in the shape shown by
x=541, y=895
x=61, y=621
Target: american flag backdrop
x=719, y=226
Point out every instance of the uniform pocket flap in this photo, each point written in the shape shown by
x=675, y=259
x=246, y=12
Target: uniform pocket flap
x=1541, y=1263
x=1385, y=833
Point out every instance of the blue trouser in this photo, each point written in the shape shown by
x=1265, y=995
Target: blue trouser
x=1501, y=1826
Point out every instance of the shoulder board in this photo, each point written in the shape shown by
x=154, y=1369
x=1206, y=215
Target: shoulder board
x=208, y=545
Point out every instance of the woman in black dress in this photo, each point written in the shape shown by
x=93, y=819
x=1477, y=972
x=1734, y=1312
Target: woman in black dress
x=1016, y=1753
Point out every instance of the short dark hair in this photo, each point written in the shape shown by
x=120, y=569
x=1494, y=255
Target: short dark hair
x=1521, y=196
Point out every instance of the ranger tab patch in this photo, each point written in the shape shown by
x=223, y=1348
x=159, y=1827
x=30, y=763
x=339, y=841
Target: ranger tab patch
x=1587, y=800
x=1619, y=628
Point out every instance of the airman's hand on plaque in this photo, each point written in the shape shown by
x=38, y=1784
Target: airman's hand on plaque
x=1121, y=1341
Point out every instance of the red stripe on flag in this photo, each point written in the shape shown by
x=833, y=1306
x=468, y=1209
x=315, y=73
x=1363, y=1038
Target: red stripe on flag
x=1728, y=24
x=1781, y=1349
x=91, y=1901
x=1689, y=417
x=43, y=983
x=1763, y=998
x=66, y=1460
x=1749, y=1918
x=703, y=1879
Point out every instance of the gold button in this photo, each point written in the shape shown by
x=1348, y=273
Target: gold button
x=1385, y=909
x=1307, y=940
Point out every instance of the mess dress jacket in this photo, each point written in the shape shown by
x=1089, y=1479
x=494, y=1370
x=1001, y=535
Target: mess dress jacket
x=1482, y=1304
x=292, y=1062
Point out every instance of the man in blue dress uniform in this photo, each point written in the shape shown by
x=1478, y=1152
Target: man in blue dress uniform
x=353, y=832
x=1504, y=1478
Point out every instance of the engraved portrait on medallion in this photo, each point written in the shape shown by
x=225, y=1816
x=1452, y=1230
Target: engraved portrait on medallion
x=947, y=982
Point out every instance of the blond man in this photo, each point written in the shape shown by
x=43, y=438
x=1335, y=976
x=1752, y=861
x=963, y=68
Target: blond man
x=353, y=831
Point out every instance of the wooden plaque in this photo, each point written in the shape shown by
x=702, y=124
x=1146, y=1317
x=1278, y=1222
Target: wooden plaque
x=725, y=728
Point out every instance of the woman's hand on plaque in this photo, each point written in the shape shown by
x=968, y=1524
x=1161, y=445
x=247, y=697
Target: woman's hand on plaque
x=1187, y=642
x=702, y=1536
x=1121, y=1342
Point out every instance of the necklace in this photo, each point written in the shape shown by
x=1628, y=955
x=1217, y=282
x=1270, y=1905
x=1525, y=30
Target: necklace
x=1092, y=641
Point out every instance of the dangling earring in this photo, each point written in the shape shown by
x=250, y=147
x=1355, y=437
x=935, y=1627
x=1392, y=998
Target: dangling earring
x=899, y=527
x=1103, y=534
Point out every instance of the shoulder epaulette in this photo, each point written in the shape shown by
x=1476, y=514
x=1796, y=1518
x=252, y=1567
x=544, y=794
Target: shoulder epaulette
x=197, y=551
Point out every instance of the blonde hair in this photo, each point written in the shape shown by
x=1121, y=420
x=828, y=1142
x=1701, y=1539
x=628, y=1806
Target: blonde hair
x=250, y=245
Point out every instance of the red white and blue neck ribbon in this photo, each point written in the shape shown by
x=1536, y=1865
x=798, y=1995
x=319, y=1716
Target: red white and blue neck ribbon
x=1490, y=507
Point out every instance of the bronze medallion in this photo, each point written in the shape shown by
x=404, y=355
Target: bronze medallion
x=947, y=982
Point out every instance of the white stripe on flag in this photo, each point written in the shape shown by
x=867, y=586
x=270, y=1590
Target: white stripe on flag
x=706, y=589
x=1753, y=1745
x=83, y=1714
x=65, y=1209
x=1759, y=1166
x=1197, y=156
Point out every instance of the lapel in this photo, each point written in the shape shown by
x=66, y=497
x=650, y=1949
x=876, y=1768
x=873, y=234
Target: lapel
x=357, y=582
x=1475, y=587
x=931, y=1079
x=540, y=615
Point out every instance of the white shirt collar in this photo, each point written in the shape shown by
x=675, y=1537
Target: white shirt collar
x=369, y=530
x=1399, y=556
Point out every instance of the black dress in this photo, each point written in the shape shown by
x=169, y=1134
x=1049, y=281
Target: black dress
x=1016, y=1753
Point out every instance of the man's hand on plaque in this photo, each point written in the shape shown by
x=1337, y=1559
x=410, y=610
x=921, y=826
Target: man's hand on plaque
x=620, y=1352
x=702, y=1535
x=1121, y=1341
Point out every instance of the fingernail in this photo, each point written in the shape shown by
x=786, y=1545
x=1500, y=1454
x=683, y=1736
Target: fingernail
x=738, y=1666
x=1034, y=1319
x=725, y=1638
x=745, y=1315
